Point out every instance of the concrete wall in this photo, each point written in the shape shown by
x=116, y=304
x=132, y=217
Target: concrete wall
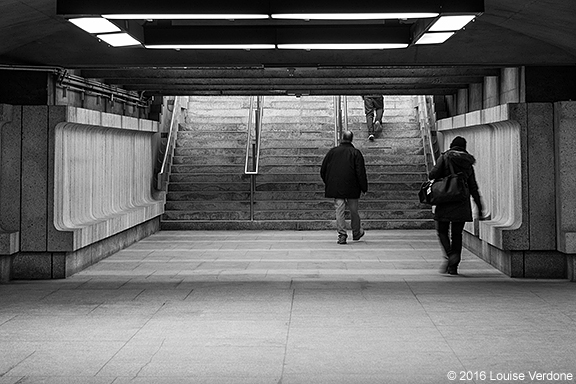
x=515, y=150
x=85, y=187
x=10, y=149
x=565, y=141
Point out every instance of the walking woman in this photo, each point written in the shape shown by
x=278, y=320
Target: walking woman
x=451, y=217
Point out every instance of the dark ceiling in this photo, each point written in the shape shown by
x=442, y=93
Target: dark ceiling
x=508, y=33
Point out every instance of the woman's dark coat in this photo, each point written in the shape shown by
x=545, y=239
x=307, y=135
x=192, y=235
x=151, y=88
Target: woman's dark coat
x=462, y=161
x=344, y=173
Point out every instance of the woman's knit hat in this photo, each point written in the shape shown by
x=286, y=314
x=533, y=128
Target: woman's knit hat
x=458, y=141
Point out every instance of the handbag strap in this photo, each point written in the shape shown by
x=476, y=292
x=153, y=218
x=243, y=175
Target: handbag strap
x=449, y=165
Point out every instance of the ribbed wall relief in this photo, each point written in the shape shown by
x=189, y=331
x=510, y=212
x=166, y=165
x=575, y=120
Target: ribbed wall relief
x=103, y=181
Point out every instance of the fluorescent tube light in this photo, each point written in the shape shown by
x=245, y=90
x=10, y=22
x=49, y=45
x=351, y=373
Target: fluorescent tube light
x=451, y=23
x=434, y=38
x=343, y=46
x=352, y=16
x=95, y=25
x=118, y=39
x=185, y=16
x=211, y=46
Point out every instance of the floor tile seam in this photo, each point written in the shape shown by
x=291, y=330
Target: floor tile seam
x=328, y=271
x=150, y=318
x=287, y=339
x=341, y=249
x=260, y=260
x=281, y=240
x=434, y=323
x=8, y=369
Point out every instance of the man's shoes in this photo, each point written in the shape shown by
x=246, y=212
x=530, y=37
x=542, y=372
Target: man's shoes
x=342, y=239
x=378, y=126
x=371, y=137
x=362, y=233
x=453, y=272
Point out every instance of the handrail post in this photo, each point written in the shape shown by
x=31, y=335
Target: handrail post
x=345, y=113
x=165, y=168
x=252, y=193
x=253, y=147
x=337, y=120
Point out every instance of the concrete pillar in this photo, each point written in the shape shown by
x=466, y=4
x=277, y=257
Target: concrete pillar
x=462, y=102
x=10, y=171
x=10, y=148
x=475, y=97
x=510, y=85
x=491, y=94
x=565, y=140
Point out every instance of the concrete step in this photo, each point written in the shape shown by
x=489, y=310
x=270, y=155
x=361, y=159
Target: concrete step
x=303, y=205
x=208, y=142
x=383, y=195
x=298, y=126
x=215, y=186
x=209, y=152
x=273, y=142
x=208, y=196
x=207, y=160
x=186, y=136
x=372, y=168
x=232, y=214
x=211, y=205
x=277, y=215
x=213, y=126
x=319, y=186
x=208, y=168
x=290, y=224
x=373, y=151
x=209, y=177
x=329, y=215
x=218, y=120
x=307, y=177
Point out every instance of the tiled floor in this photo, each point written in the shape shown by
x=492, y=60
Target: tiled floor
x=286, y=308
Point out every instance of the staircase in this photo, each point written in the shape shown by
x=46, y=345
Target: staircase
x=208, y=190
x=395, y=165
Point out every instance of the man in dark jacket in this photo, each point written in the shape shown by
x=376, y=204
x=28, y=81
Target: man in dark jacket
x=455, y=214
x=344, y=175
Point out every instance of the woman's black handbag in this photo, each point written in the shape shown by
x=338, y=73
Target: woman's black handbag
x=449, y=189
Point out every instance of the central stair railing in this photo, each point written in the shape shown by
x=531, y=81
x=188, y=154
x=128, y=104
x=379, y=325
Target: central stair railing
x=427, y=121
x=340, y=118
x=252, y=160
x=179, y=105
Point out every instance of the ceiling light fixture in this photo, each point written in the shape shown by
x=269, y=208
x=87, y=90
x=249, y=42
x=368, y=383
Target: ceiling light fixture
x=352, y=16
x=442, y=29
x=207, y=16
x=434, y=38
x=211, y=46
x=451, y=23
x=118, y=39
x=343, y=46
x=94, y=25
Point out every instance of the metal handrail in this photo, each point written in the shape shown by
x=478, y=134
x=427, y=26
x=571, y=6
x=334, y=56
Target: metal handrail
x=162, y=178
x=345, y=113
x=337, y=120
x=340, y=118
x=253, y=144
x=427, y=122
